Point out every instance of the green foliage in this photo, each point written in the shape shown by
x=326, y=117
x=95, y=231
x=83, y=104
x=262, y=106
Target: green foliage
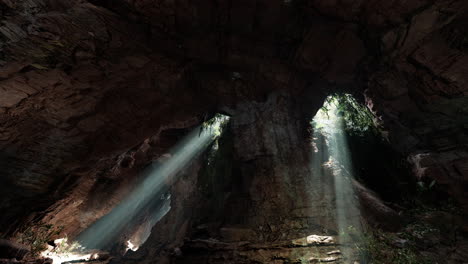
x=64, y=247
x=217, y=123
x=38, y=235
x=358, y=119
x=379, y=248
x=418, y=206
x=425, y=187
x=216, y=118
x=417, y=231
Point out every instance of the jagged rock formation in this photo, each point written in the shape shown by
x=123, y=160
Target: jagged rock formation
x=421, y=94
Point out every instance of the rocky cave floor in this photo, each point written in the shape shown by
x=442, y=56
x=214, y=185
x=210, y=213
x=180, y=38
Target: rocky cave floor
x=429, y=235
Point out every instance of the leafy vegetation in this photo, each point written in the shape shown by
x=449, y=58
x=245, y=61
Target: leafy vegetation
x=378, y=247
x=64, y=247
x=426, y=228
x=38, y=236
x=217, y=123
x=425, y=187
x=382, y=248
x=358, y=119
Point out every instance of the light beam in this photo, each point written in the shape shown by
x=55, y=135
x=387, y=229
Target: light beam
x=329, y=136
x=105, y=232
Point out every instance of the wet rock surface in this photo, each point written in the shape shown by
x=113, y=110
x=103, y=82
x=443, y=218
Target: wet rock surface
x=313, y=250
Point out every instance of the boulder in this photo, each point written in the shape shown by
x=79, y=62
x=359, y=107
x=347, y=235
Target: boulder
x=376, y=212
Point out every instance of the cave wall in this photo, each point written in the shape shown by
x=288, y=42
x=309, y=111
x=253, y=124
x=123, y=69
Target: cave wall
x=64, y=95
x=80, y=85
x=111, y=180
x=420, y=95
x=272, y=150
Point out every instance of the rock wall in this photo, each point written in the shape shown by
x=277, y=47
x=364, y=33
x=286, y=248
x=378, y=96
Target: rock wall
x=420, y=95
x=64, y=92
x=169, y=233
x=272, y=151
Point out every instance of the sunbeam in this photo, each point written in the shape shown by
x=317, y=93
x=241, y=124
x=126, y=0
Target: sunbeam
x=106, y=231
x=333, y=158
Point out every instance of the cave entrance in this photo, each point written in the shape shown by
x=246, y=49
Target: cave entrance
x=340, y=116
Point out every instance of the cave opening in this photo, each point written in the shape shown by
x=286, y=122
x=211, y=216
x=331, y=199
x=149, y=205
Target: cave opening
x=332, y=164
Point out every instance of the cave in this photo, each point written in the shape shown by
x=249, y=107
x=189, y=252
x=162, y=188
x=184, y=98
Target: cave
x=207, y=132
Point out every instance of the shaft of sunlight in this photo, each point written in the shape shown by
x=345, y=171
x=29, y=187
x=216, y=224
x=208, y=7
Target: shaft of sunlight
x=106, y=231
x=144, y=230
x=329, y=136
